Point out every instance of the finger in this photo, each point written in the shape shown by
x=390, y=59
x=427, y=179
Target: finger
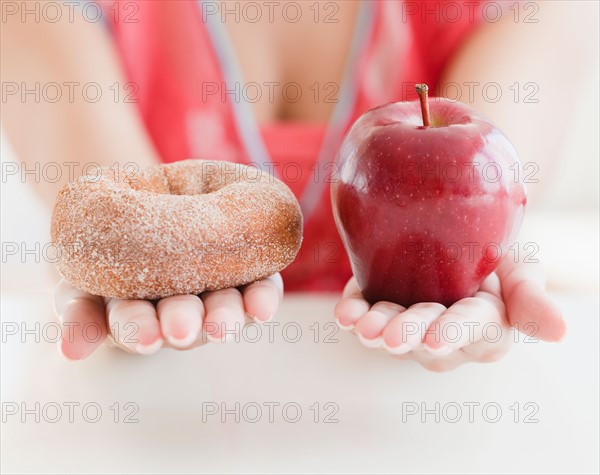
x=180, y=318
x=83, y=320
x=262, y=298
x=351, y=289
x=407, y=331
x=224, y=314
x=466, y=322
x=351, y=306
x=134, y=325
x=529, y=307
x=371, y=325
x=491, y=285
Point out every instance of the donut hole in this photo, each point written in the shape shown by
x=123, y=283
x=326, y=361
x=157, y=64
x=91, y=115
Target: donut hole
x=188, y=179
x=185, y=178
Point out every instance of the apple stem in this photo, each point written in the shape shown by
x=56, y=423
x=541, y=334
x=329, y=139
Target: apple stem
x=422, y=92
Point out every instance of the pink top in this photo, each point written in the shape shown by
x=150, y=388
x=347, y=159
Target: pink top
x=179, y=56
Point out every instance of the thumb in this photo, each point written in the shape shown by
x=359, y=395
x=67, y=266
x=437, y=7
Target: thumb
x=528, y=305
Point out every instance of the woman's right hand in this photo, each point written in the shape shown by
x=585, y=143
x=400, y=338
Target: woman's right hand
x=181, y=322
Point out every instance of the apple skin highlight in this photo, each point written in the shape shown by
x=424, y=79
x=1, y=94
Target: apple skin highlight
x=426, y=213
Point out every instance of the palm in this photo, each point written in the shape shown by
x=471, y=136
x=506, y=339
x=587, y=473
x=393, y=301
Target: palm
x=472, y=329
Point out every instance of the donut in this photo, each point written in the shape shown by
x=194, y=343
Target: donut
x=179, y=228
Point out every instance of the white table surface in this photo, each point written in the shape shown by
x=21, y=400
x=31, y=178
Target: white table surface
x=174, y=391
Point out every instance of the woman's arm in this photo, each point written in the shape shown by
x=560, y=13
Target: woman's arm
x=74, y=54
x=543, y=70
x=108, y=132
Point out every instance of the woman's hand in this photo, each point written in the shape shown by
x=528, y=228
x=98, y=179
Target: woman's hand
x=472, y=329
x=181, y=322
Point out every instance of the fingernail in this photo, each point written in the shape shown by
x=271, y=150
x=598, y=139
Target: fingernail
x=227, y=338
x=371, y=342
x=397, y=350
x=345, y=327
x=441, y=351
x=60, y=350
x=259, y=321
x=182, y=342
x=149, y=349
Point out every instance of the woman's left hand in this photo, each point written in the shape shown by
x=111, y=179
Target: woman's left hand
x=473, y=329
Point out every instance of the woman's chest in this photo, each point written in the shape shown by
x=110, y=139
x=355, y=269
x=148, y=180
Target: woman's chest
x=292, y=70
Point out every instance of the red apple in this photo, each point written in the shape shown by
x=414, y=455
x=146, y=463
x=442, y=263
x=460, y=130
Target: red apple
x=428, y=199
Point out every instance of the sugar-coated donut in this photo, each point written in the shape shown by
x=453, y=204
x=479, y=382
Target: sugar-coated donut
x=180, y=228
